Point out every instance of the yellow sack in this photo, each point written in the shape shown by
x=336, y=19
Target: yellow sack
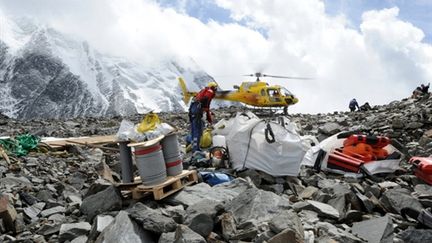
x=206, y=138
x=149, y=123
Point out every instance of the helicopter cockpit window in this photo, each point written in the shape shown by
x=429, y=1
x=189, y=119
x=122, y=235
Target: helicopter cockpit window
x=286, y=92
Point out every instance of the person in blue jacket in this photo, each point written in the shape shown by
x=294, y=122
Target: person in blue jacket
x=353, y=104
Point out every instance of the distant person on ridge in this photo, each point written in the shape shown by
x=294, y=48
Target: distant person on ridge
x=420, y=91
x=425, y=88
x=199, y=105
x=353, y=104
x=365, y=107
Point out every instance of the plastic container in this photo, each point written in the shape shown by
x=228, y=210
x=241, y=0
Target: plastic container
x=171, y=152
x=219, y=141
x=151, y=164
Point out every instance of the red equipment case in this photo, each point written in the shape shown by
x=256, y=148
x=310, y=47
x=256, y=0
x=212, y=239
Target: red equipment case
x=422, y=168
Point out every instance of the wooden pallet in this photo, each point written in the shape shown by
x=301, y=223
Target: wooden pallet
x=61, y=142
x=171, y=185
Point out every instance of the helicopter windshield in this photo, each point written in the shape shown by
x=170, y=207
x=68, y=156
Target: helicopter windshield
x=286, y=92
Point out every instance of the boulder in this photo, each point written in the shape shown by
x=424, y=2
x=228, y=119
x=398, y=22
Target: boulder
x=71, y=231
x=416, y=235
x=103, y=201
x=221, y=193
x=395, y=199
x=255, y=205
x=151, y=219
x=375, y=230
x=123, y=229
x=322, y=209
x=288, y=227
x=184, y=234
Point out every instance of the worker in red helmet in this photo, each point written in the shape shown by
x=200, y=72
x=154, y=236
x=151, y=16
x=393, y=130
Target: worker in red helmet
x=200, y=104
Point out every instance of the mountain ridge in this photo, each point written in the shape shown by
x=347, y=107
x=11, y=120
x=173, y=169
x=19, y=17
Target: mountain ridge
x=47, y=74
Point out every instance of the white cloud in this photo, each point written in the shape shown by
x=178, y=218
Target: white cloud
x=383, y=61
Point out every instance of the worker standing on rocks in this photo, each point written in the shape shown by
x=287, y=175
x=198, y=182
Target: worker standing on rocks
x=353, y=104
x=200, y=104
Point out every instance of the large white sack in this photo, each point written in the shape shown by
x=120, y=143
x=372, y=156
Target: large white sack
x=248, y=148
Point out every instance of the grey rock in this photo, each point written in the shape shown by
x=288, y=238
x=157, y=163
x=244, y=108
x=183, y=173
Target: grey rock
x=208, y=207
x=256, y=205
x=339, y=203
x=330, y=128
x=220, y=193
x=375, y=230
x=167, y=237
x=388, y=184
x=374, y=190
x=287, y=235
x=276, y=188
x=45, y=196
x=49, y=229
x=33, y=211
x=252, y=174
x=287, y=226
x=103, y=201
x=368, y=204
x=423, y=190
x=123, y=229
x=177, y=213
x=97, y=186
x=330, y=231
x=99, y=224
x=152, y=220
x=57, y=218
x=80, y=239
x=394, y=200
x=202, y=224
x=308, y=192
x=54, y=210
x=322, y=209
x=414, y=125
x=15, y=182
x=184, y=234
x=416, y=235
x=71, y=231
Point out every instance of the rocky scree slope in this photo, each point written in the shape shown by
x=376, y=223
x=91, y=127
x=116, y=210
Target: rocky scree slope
x=62, y=196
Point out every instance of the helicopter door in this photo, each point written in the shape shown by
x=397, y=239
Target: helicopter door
x=274, y=95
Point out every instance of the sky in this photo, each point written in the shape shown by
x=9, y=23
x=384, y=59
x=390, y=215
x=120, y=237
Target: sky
x=372, y=50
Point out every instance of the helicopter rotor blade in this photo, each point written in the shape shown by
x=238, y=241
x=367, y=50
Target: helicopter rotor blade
x=287, y=77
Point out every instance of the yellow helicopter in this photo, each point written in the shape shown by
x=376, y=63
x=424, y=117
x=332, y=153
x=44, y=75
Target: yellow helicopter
x=256, y=94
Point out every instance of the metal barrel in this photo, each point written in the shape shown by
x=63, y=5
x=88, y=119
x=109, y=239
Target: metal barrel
x=170, y=146
x=151, y=164
x=174, y=165
x=173, y=161
x=126, y=162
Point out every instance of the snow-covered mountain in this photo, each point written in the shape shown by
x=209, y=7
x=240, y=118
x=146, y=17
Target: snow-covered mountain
x=44, y=73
